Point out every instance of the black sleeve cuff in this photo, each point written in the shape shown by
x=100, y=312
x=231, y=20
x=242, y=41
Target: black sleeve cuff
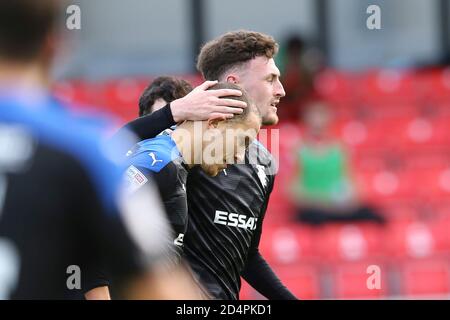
x=261, y=277
x=149, y=126
x=168, y=113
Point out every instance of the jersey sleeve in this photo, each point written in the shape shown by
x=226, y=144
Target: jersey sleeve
x=150, y=126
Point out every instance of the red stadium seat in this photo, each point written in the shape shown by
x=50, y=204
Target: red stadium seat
x=350, y=242
x=302, y=281
x=435, y=84
x=400, y=211
x=247, y=292
x=435, y=183
x=388, y=85
x=122, y=96
x=427, y=278
x=417, y=239
x=421, y=132
x=76, y=92
x=335, y=86
x=194, y=79
x=385, y=186
x=280, y=209
x=432, y=159
x=359, y=281
x=287, y=245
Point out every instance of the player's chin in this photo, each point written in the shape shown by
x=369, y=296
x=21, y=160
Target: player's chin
x=270, y=119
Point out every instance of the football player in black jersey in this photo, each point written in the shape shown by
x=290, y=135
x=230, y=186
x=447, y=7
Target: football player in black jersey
x=209, y=145
x=238, y=198
x=226, y=212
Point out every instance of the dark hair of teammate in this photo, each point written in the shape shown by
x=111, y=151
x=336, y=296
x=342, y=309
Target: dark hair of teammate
x=166, y=88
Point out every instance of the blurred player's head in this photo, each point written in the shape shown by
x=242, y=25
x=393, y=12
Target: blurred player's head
x=160, y=92
x=246, y=58
x=223, y=141
x=28, y=38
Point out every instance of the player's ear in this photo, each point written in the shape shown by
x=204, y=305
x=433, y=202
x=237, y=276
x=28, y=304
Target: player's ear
x=232, y=78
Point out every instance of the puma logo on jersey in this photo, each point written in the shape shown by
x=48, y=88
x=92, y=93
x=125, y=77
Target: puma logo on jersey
x=153, y=156
x=235, y=220
x=179, y=240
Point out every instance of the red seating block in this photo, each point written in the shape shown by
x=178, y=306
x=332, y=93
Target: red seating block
x=417, y=239
x=302, y=281
x=385, y=85
x=335, y=86
x=350, y=242
x=288, y=244
x=426, y=278
x=359, y=281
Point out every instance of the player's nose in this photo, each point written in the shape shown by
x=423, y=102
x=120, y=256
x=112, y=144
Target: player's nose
x=279, y=90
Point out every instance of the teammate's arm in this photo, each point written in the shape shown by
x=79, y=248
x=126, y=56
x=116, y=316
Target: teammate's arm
x=199, y=104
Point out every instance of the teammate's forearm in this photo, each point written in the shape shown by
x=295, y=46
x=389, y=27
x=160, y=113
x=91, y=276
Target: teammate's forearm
x=150, y=126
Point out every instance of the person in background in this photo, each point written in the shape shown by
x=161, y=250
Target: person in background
x=324, y=189
x=299, y=65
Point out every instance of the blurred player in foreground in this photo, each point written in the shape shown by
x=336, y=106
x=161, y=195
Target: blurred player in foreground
x=62, y=211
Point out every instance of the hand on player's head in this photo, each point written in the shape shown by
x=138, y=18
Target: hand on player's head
x=201, y=103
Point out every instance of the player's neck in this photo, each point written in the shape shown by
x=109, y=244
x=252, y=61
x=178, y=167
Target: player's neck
x=187, y=137
x=26, y=76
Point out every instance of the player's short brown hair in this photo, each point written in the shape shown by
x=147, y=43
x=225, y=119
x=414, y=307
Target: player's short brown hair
x=251, y=108
x=233, y=49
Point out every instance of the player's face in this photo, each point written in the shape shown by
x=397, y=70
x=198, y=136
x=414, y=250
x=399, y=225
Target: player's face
x=261, y=79
x=232, y=139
